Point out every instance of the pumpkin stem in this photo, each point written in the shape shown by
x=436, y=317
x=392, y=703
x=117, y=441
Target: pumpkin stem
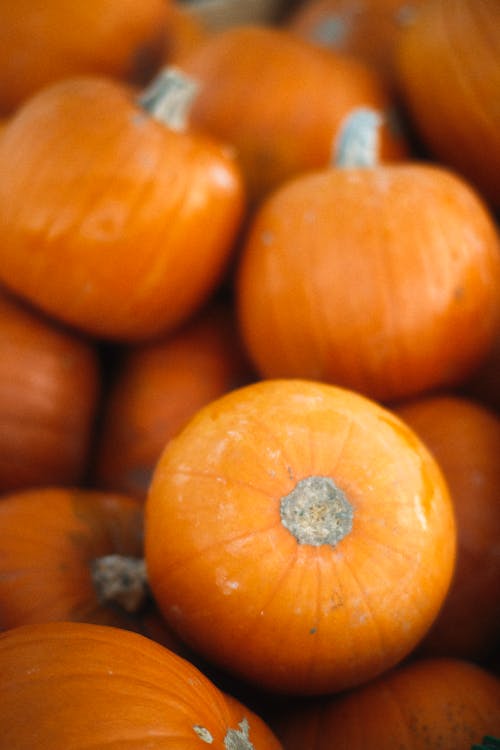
x=169, y=96
x=488, y=743
x=357, y=143
x=121, y=580
x=317, y=512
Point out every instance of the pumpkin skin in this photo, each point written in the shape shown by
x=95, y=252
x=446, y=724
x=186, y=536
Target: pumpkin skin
x=157, y=387
x=288, y=123
x=101, y=687
x=126, y=230
x=382, y=279
x=452, y=98
x=428, y=704
x=279, y=608
x=368, y=30
x=464, y=437
x=49, y=388
x=42, y=41
x=61, y=570
x=184, y=32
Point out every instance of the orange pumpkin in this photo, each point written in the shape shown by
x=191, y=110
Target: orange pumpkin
x=127, y=228
x=288, y=122
x=42, y=41
x=299, y=536
x=49, y=388
x=185, y=31
x=380, y=278
x=464, y=437
x=369, y=30
x=448, y=68
x=70, y=686
x=430, y=704
x=156, y=387
x=82, y=561
x=484, y=384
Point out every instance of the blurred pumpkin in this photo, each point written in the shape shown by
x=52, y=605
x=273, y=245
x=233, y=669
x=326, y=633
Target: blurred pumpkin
x=127, y=228
x=49, y=389
x=464, y=437
x=43, y=41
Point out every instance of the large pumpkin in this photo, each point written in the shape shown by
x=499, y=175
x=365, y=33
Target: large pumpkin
x=448, y=68
x=380, y=278
x=42, y=41
x=464, y=437
x=281, y=101
x=299, y=536
x=72, y=686
x=431, y=704
x=127, y=228
x=49, y=386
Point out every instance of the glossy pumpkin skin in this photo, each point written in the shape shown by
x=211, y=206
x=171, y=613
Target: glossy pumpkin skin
x=157, y=387
x=452, y=96
x=43, y=41
x=102, y=687
x=368, y=30
x=247, y=590
x=288, y=123
x=49, y=387
x=464, y=437
x=429, y=704
x=129, y=225
x=383, y=279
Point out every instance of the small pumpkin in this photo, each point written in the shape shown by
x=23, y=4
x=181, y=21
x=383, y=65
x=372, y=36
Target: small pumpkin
x=383, y=278
x=42, y=41
x=288, y=122
x=464, y=437
x=81, y=560
x=427, y=704
x=184, y=32
x=157, y=387
x=71, y=686
x=448, y=70
x=369, y=30
x=127, y=229
x=50, y=382
x=299, y=536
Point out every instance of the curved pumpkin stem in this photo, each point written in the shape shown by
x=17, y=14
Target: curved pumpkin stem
x=488, y=743
x=358, y=141
x=121, y=580
x=169, y=96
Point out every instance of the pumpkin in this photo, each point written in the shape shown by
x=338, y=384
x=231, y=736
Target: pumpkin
x=156, y=387
x=448, y=69
x=81, y=560
x=427, y=704
x=382, y=278
x=288, y=122
x=299, y=536
x=369, y=30
x=70, y=686
x=484, y=383
x=42, y=41
x=184, y=32
x=49, y=389
x=128, y=227
x=464, y=437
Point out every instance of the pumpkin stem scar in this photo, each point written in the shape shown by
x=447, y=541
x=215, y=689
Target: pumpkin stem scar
x=238, y=739
x=120, y=580
x=169, y=96
x=317, y=512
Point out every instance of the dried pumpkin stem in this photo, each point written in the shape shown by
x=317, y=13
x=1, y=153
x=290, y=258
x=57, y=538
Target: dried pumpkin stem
x=169, y=96
x=121, y=580
x=317, y=512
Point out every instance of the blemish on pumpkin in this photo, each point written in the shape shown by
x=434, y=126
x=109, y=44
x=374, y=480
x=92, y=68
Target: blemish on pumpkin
x=203, y=734
x=238, y=739
x=317, y=512
x=331, y=32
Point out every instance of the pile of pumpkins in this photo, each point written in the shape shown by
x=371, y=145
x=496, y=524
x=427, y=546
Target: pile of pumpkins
x=250, y=376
